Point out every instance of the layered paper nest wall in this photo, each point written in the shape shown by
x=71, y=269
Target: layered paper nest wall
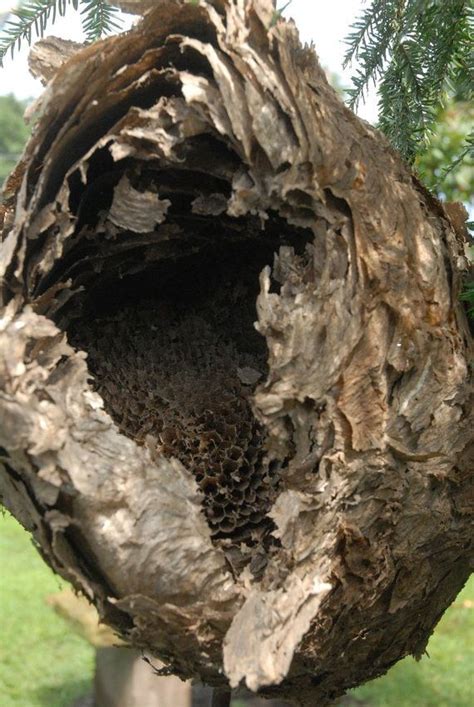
x=234, y=391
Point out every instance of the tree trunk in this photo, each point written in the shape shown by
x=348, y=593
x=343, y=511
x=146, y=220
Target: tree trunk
x=288, y=505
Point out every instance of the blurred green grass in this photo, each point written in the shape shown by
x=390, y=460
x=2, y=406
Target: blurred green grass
x=44, y=664
x=444, y=678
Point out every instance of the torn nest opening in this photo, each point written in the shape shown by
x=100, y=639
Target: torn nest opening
x=163, y=289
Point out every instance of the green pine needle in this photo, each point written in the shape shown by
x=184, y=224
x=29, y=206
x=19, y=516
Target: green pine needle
x=31, y=18
x=468, y=296
x=99, y=19
x=368, y=44
x=466, y=152
x=419, y=50
x=29, y=21
x=278, y=13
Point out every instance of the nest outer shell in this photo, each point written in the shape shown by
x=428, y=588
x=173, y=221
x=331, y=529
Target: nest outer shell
x=367, y=393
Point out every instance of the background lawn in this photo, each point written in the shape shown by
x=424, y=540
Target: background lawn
x=44, y=664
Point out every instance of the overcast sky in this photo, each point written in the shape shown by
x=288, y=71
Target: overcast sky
x=326, y=24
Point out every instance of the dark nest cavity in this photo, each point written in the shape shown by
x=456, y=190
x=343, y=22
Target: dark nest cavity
x=176, y=357
x=168, y=323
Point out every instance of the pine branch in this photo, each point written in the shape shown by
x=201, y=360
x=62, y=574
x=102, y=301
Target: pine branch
x=99, y=19
x=278, y=13
x=420, y=49
x=466, y=152
x=363, y=30
x=30, y=20
x=468, y=296
x=369, y=45
x=447, y=41
x=396, y=111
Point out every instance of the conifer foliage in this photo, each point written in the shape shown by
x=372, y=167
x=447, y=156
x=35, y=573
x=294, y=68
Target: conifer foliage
x=30, y=19
x=419, y=51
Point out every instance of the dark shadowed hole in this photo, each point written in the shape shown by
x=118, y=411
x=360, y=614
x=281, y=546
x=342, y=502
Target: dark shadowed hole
x=174, y=353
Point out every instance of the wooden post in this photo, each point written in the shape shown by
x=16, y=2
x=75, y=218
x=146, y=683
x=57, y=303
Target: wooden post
x=221, y=698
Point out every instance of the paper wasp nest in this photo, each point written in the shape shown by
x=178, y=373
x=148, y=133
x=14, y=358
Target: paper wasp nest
x=234, y=391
